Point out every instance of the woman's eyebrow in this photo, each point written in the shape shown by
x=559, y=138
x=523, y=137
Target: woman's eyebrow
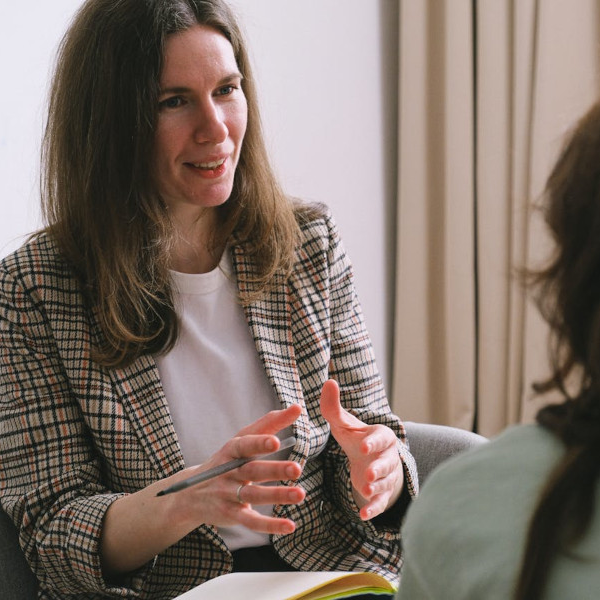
x=173, y=90
x=233, y=75
x=178, y=89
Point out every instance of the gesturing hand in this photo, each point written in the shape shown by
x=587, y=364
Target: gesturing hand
x=375, y=466
x=141, y=525
x=229, y=498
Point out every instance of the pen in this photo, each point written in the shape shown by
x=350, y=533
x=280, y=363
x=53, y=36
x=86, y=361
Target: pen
x=225, y=468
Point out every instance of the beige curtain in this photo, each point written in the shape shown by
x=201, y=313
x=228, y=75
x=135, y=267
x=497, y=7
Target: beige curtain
x=487, y=90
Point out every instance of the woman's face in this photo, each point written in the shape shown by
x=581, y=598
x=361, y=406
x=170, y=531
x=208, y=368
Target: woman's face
x=201, y=122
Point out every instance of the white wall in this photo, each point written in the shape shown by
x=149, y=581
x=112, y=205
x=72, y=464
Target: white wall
x=326, y=74
x=27, y=44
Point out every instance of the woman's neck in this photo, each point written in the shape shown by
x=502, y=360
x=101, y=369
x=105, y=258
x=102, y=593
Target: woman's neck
x=193, y=250
x=198, y=261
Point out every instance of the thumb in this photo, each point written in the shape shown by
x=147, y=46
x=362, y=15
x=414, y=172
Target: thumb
x=332, y=409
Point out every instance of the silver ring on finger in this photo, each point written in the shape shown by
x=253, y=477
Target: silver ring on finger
x=239, y=491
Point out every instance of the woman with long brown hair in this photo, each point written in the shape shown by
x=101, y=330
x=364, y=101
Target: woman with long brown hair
x=178, y=311
x=520, y=517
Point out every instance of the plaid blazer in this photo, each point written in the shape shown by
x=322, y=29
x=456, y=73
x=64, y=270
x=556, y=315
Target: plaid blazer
x=74, y=435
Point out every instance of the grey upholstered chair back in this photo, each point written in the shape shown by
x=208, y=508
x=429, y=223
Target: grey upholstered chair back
x=433, y=444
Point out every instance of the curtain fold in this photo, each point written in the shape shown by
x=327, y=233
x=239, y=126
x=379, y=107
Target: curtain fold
x=506, y=51
x=434, y=353
x=487, y=89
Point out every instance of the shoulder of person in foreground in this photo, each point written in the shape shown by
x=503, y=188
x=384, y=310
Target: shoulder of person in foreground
x=480, y=502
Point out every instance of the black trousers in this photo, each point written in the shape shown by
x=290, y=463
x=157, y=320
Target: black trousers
x=258, y=559
x=264, y=558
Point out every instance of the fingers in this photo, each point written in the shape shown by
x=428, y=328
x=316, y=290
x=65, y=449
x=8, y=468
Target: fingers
x=252, y=445
x=384, y=481
x=363, y=444
x=334, y=413
x=229, y=499
x=375, y=466
x=264, y=524
x=260, y=471
x=266, y=494
x=378, y=439
x=380, y=478
x=381, y=467
x=376, y=506
x=216, y=500
x=247, y=495
x=272, y=422
x=235, y=506
x=382, y=495
x=375, y=469
x=259, y=437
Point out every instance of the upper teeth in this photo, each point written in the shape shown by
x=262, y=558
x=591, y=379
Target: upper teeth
x=210, y=165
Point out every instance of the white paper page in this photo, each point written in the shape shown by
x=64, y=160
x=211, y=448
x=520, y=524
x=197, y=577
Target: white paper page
x=262, y=586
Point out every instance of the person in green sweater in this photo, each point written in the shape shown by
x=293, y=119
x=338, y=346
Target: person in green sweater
x=519, y=518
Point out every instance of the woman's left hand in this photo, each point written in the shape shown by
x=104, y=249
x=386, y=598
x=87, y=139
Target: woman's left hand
x=375, y=467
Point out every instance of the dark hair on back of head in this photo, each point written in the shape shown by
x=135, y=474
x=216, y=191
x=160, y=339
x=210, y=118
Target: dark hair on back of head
x=568, y=296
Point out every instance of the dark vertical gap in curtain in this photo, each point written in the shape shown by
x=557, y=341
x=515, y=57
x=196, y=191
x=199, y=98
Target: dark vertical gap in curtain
x=527, y=186
x=597, y=22
x=512, y=171
x=474, y=30
x=389, y=34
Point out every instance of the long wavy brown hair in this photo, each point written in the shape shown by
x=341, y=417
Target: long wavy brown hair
x=98, y=198
x=568, y=295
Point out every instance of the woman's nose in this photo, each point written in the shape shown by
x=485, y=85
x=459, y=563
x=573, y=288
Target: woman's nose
x=210, y=125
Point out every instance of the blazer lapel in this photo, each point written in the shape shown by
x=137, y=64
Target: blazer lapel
x=270, y=320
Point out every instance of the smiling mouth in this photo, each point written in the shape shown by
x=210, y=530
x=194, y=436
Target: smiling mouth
x=210, y=166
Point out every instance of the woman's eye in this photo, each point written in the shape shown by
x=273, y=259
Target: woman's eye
x=226, y=90
x=172, y=102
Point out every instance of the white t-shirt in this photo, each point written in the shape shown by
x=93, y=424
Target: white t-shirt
x=213, y=378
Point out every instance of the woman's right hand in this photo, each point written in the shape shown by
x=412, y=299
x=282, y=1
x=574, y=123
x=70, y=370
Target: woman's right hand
x=215, y=502
x=139, y=526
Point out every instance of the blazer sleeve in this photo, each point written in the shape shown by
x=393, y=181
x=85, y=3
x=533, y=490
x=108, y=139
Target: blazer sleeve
x=353, y=365
x=50, y=475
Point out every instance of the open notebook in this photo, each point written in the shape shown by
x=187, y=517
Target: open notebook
x=292, y=585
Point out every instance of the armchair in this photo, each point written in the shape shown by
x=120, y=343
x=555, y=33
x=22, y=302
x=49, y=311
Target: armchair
x=432, y=444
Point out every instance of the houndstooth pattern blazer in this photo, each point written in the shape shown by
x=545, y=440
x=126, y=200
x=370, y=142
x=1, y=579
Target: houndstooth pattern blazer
x=74, y=436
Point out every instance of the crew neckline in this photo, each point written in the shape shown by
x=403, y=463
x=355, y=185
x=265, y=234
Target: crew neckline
x=204, y=283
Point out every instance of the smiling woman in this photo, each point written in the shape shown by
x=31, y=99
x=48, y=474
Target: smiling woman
x=179, y=311
x=295, y=58
x=201, y=125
